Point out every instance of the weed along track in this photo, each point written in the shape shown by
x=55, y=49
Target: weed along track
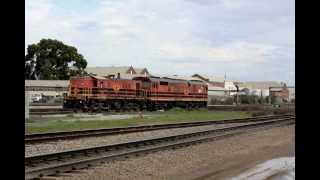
x=69, y=161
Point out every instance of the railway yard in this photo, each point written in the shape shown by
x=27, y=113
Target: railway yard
x=152, y=90
x=203, y=149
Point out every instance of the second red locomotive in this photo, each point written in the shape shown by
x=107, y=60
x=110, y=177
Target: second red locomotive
x=96, y=93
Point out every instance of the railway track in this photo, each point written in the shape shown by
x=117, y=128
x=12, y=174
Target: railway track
x=43, y=137
x=70, y=161
x=48, y=110
x=51, y=112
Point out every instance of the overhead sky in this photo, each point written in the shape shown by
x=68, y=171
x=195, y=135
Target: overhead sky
x=251, y=40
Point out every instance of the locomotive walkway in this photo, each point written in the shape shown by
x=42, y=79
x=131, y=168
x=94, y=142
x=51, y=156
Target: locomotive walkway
x=68, y=161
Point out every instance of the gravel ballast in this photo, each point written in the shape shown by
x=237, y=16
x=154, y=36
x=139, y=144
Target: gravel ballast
x=63, y=145
x=221, y=159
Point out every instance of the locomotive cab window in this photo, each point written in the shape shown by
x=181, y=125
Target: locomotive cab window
x=163, y=83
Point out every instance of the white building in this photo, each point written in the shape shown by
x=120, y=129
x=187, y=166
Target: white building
x=216, y=91
x=292, y=94
x=259, y=88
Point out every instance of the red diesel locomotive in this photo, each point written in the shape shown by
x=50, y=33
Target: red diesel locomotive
x=96, y=93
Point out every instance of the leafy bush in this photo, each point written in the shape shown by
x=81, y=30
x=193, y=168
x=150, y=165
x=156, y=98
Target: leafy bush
x=228, y=101
x=213, y=101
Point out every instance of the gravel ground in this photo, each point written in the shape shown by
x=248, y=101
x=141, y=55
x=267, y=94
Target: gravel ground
x=63, y=145
x=221, y=159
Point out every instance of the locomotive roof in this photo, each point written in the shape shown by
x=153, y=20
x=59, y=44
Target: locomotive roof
x=99, y=77
x=167, y=80
x=171, y=80
x=197, y=82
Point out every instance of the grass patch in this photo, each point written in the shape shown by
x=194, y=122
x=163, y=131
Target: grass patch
x=56, y=124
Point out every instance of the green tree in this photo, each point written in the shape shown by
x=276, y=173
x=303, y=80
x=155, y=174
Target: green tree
x=53, y=60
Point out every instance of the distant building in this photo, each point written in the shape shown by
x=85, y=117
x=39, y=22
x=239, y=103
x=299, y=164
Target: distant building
x=125, y=72
x=212, y=80
x=259, y=88
x=279, y=94
x=219, y=86
x=37, y=89
x=216, y=91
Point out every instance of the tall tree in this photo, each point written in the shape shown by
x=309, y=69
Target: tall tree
x=53, y=60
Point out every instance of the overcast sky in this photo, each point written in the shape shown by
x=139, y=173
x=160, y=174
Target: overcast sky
x=250, y=40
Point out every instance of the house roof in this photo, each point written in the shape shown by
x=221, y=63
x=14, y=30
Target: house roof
x=113, y=70
x=46, y=83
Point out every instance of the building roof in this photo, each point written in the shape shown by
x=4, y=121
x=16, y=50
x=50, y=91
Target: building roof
x=189, y=78
x=46, y=83
x=276, y=88
x=114, y=70
x=260, y=84
x=215, y=88
x=209, y=78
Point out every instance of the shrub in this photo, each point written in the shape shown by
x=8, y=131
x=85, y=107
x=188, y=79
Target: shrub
x=213, y=101
x=228, y=101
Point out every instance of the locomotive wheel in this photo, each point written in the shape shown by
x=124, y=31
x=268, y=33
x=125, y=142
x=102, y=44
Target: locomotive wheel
x=106, y=107
x=93, y=108
x=85, y=108
x=100, y=107
x=76, y=108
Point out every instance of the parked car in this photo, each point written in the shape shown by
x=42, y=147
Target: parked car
x=36, y=97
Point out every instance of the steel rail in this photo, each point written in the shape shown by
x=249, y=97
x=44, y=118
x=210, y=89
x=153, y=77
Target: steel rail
x=43, y=137
x=51, y=164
